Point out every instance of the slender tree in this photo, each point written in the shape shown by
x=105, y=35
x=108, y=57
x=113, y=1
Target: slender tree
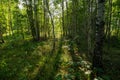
x=36, y=24
x=52, y=22
x=10, y=18
x=32, y=17
x=99, y=38
x=63, y=18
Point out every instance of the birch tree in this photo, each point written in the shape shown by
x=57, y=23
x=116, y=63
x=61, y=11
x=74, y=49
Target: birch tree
x=99, y=37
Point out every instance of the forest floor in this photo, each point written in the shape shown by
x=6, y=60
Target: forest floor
x=28, y=60
x=112, y=63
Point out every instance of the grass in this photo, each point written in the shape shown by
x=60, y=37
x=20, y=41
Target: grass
x=28, y=60
x=70, y=69
x=16, y=60
x=112, y=63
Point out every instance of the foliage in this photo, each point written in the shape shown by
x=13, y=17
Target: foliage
x=55, y=39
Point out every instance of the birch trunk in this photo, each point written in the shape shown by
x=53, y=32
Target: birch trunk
x=99, y=38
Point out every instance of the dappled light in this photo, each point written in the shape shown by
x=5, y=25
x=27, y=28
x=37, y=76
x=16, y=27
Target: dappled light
x=59, y=39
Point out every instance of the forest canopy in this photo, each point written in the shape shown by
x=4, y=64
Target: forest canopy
x=59, y=39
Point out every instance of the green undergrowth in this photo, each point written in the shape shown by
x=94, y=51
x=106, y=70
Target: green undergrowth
x=70, y=69
x=111, y=60
x=25, y=60
x=29, y=60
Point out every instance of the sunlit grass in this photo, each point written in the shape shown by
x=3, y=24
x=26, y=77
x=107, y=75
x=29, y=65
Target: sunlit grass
x=18, y=60
x=28, y=60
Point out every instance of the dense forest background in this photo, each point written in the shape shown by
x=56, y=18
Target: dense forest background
x=59, y=39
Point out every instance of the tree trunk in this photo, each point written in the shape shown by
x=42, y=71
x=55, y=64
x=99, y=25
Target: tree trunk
x=63, y=18
x=31, y=19
x=10, y=18
x=36, y=21
x=89, y=27
x=1, y=37
x=52, y=22
x=99, y=38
